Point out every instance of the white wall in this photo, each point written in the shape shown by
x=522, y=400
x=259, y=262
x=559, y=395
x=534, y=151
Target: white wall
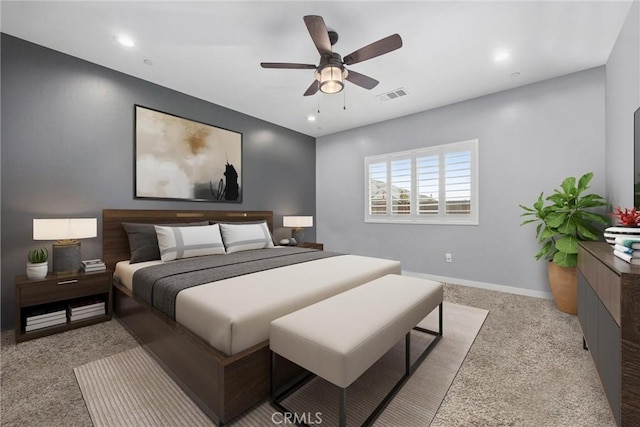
x=531, y=138
x=622, y=99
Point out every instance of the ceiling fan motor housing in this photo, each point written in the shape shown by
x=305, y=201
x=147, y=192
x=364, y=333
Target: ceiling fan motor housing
x=333, y=37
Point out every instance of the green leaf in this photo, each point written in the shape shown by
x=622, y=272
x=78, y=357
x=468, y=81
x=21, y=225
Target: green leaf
x=568, y=227
x=601, y=219
x=583, y=182
x=591, y=201
x=558, y=199
x=538, y=204
x=565, y=260
x=588, y=232
x=568, y=185
x=547, y=233
x=556, y=219
x=546, y=251
x=567, y=245
x=528, y=221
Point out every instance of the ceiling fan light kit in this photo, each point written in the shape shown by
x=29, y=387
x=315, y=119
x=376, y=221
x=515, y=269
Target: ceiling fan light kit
x=331, y=77
x=331, y=73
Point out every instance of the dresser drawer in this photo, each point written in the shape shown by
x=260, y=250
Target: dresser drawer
x=604, y=281
x=63, y=289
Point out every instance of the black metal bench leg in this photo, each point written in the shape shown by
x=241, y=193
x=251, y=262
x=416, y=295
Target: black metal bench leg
x=342, y=415
x=407, y=354
x=272, y=374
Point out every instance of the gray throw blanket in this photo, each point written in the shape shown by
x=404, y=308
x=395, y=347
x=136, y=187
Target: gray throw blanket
x=159, y=285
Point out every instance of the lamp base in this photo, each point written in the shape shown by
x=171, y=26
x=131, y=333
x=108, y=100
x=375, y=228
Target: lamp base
x=298, y=234
x=66, y=257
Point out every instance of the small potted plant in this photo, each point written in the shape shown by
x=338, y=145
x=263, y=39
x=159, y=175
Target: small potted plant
x=627, y=217
x=563, y=219
x=37, y=266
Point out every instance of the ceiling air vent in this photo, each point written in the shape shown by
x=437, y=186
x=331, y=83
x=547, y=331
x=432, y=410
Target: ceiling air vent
x=394, y=94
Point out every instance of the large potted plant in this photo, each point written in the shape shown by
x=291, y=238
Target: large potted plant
x=564, y=218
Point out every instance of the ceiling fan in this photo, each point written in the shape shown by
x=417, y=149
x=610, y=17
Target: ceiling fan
x=331, y=72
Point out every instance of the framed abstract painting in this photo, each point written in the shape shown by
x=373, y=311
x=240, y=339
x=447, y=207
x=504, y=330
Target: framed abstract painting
x=178, y=158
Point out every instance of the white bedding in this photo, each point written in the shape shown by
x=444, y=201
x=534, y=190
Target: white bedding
x=234, y=314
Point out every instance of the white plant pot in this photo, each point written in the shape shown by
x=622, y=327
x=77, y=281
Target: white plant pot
x=38, y=270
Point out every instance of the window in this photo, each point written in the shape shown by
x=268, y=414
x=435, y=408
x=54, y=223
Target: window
x=430, y=185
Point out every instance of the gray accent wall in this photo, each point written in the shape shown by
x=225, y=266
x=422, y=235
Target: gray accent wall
x=530, y=139
x=622, y=100
x=68, y=151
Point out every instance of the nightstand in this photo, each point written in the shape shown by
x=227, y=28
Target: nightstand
x=311, y=245
x=44, y=299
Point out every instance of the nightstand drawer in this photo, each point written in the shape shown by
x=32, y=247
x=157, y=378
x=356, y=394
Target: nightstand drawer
x=63, y=289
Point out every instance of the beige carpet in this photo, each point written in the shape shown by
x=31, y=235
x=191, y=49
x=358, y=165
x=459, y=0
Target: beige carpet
x=130, y=389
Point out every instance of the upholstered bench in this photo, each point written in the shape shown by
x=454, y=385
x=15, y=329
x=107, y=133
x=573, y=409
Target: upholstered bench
x=341, y=337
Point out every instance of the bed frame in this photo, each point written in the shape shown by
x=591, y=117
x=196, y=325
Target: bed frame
x=223, y=386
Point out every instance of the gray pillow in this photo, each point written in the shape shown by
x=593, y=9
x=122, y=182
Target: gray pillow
x=244, y=236
x=143, y=241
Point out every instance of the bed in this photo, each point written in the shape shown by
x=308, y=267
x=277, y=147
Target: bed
x=213, y=339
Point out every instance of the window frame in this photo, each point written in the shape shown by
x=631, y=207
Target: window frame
x=441, y=217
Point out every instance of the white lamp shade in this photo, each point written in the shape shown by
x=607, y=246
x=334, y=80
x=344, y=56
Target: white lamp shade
x=64, y=228
x=297, y=221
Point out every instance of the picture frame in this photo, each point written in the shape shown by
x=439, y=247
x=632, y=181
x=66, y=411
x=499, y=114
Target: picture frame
x=181, y=159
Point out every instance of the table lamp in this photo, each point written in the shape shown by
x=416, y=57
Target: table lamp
x=66, y=248
x=298, y=223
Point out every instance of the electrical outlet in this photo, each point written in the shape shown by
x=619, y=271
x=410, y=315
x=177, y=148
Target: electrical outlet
x=448, y=257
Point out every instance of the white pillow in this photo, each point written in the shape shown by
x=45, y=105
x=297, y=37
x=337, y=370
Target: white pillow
x=244, y=237
x=186, y=242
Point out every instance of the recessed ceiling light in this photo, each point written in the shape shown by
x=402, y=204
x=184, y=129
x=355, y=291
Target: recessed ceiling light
x=126, y=41
x=311, y=118
x=501, y=56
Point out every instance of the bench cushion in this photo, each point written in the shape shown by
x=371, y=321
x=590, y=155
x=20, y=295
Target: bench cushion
x=339, y=338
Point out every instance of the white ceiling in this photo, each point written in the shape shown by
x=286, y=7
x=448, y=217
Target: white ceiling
x=212, y=50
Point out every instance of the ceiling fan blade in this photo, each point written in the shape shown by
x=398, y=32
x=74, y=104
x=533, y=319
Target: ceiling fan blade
x=319, y=34
x=287, y=65
x=374, y=49
x=312, y=89
x=362, y=80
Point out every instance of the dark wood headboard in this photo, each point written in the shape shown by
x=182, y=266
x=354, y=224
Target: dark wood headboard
x=115, y=245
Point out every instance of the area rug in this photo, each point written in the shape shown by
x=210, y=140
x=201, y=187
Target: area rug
x=130, y=389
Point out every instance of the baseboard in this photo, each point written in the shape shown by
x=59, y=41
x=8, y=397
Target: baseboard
x=482, y=285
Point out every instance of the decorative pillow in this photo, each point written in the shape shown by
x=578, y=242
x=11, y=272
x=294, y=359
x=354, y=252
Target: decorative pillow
x=143, y=241
x=244, y=236
x=187, y=242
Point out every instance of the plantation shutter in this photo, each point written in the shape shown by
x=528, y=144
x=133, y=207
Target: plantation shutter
x=431, y=185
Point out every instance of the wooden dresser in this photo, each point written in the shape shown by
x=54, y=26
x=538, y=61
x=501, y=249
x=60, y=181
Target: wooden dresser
x=609, y=313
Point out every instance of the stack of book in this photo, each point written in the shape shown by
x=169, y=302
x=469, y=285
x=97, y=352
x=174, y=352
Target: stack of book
x=44, y=317
x=86, y=308
x=627, y=249
x=612, y=233
x=93, y=265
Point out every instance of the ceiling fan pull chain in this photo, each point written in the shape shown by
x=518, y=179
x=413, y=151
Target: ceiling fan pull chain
x=344, y=99
x=318, y=100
